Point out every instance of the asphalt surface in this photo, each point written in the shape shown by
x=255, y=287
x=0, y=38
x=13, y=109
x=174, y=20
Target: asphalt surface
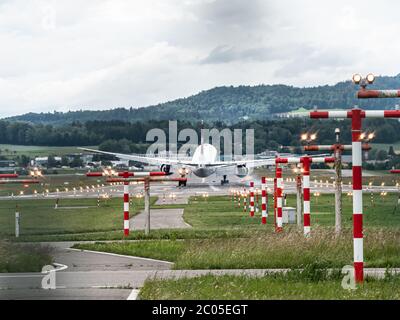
x=83, y=275
x=160, y=219
x=170, y=193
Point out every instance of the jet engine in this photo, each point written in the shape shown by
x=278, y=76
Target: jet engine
x=166, y=168
x=242, y=171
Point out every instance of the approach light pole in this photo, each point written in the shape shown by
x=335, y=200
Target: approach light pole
x=356, y=115
x=338, y=149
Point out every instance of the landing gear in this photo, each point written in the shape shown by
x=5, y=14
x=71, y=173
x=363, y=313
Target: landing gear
x=182, y=184
x=224, y=181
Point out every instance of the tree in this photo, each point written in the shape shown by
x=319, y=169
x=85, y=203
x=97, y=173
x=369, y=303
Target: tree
x=381, y=155
x=76, y=162
x=64, y=161
x=51, y=161
x=391, y=151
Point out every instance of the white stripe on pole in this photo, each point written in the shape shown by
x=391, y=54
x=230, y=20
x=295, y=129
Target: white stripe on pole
x=358, y=250
x=307, y=230
x=126, y=206
x=307, y=207
x=357, y=201
x=279, y=202
x=375, y=114
x=306, y=181
x=126, y=224
x=357, y=154
x=337, y=114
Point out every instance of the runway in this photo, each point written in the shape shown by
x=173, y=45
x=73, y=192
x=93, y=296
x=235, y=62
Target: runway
x=170, y=193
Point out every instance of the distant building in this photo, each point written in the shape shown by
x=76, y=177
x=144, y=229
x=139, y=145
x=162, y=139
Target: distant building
x=7, y=166
x=43, y=161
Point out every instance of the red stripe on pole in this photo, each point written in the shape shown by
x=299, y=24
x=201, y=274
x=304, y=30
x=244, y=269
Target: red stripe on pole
x=359, y=272
x=126, y=197
x=357, y=225
x=94, y=174
x=357, y=178
x=356, y=120
x=306, y=195
x=8, y=175
x=392, y=113
x=314, y=148
x=319, y=114
x=307, y=219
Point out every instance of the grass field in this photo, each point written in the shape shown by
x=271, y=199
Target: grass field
x=23, y=258
x=215, y=218
x=257, y=246
x=38, y=151
x=288, y=250
x=225, y=237
x=294, y=285
x=39, y=217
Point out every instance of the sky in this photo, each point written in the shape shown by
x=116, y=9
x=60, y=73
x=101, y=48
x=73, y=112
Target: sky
x=100, y=54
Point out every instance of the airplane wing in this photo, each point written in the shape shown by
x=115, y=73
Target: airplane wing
x=248, y=163
x=143, y=159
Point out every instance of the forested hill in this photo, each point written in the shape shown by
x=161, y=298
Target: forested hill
x=232, y=104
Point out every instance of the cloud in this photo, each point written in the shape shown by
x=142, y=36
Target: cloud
x=62, y=55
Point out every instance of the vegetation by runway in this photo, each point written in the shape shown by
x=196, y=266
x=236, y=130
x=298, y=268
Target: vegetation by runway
x=309, y=284
x=23, y=258
x=215, y=217
x=39, y=217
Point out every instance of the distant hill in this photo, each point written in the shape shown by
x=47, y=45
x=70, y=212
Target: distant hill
x=232, y=104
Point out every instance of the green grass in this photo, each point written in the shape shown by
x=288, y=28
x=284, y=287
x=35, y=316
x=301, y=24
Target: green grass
x=264, y=251
x=215, y=218
x=162, y=250
x=23, y=258
x=38, y=217
x=40, y=151
x=270, y=287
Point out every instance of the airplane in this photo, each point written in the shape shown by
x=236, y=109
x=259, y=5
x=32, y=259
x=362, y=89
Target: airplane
x=204, y=162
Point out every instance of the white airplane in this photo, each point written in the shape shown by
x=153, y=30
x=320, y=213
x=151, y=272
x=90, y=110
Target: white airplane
x=205, y=162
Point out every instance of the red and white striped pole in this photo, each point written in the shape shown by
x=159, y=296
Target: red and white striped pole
x=275, y=201
x=378, y=94
x=279, y=199
x=306, y=196
x=264, y=213
x=251, y=199
x=239, y=198
x=357, y=196
x=245, y=201
x=126, y=204
x=306, y=162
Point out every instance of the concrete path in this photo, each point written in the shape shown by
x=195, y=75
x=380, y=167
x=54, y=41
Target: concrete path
x=164, y=199
x=114, y=284
x=160, y=219
x=85, y=275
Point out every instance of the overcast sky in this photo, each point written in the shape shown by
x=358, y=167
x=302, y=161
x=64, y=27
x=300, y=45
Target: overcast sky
x=98, y=54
